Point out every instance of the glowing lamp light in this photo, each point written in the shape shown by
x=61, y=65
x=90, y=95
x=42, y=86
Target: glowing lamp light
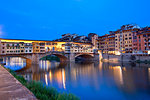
x=148, y=51
x=118, y=53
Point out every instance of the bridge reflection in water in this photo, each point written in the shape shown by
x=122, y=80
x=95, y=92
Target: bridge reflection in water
x=94, y=80
x=14, y=63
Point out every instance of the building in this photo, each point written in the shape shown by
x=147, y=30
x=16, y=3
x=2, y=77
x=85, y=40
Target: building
x=103, y=43
x=28, y=47
x=82, y=39
x=67, y=37
x=79, y=48
x=107, y=43
x=10, y=46
x=111, y=43
x=93, y=37
x=124, y=38
x=134, y=42
x=143, y=40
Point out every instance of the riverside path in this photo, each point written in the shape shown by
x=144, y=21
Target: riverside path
x=12, y=89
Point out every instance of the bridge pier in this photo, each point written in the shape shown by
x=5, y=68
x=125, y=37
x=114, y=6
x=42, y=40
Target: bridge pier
x=28, y=62
x=70, y=56
x=96, y=57
x=35, y=59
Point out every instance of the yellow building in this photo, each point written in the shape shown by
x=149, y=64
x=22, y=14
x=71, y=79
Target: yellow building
x=123, y=41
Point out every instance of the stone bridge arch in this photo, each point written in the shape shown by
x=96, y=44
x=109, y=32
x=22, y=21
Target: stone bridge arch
x=84, y=56
x=27, y=57
x=60, y=56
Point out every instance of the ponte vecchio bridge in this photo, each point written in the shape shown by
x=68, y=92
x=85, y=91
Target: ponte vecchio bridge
x=33, y=50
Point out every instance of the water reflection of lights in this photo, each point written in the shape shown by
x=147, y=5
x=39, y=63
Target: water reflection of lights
x=63, y=78
x=46, y=79
x=149, y=73
x=15, y=63
x=59, y=76
x=45, y=64
x=50, y=76
x=118, y=74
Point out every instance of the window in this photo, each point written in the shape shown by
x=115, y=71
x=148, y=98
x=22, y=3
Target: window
x=144, y=35
x=129, y=34
x=48, y=43
x=130, y=37
x=134, y=37
x=139, y=40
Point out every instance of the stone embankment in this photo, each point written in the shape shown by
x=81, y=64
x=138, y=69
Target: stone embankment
x=11, y=88
x=125, y=57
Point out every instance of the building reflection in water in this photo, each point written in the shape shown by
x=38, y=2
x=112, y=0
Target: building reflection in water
x=93, y=80
x=149, y=74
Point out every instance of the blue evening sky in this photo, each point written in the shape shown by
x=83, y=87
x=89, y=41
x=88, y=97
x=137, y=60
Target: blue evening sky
x=49, y=19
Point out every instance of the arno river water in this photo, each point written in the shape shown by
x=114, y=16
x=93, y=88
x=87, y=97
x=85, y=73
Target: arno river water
x=89, y=81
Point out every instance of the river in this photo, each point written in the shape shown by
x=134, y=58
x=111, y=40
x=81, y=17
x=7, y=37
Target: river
x=89, y=80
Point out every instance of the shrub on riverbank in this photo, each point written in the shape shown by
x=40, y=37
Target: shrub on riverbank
x=42, y=92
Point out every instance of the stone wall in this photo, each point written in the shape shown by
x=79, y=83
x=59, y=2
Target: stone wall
x=125, y=57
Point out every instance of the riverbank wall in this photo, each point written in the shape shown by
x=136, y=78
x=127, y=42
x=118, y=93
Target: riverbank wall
x=125, y=57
